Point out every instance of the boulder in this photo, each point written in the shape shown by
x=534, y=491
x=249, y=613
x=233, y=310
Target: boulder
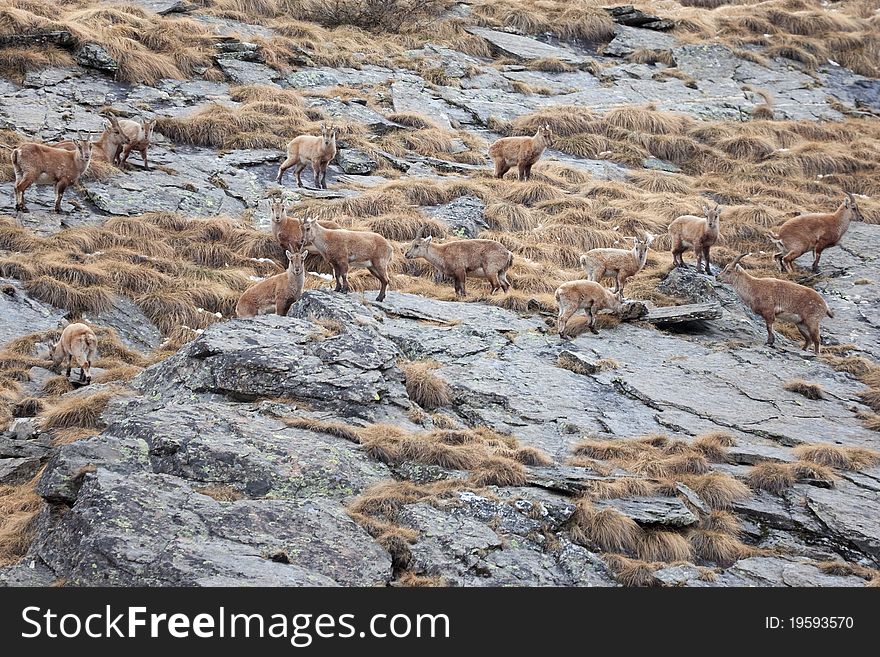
x=93, y=55
x=355, y=161
x=465, y=215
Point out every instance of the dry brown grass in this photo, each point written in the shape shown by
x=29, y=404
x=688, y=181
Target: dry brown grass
x=220, y=492
x=607, y=529
x=838, y=456
x=146, y=46
x=423, y=386
x=19, y=506
x=82, y=410
x=632, y=572
x=778, y=477
x=809, y=390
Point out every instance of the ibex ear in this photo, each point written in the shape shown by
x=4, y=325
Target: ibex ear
x=288, y=254
x=304, y=254
x=429, y=238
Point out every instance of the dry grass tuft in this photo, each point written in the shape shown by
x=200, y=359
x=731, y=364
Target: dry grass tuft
x=632, y=572
x=220, y=492
x=19, y=506
x=337, y=429
x=661, y=545
x=81, y=411
x=717, y=489
x=717, y=546
x=423, y=386
x=837, y=456
x=809, y=390
x=499, y=471
x=606, y=529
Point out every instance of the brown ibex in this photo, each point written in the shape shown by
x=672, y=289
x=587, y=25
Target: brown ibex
x=278, y=292
x=522, y=152
x=481, y=258
x=78, y=345
x=584, y=295
x=698, y=233
x=622, y=264
x=814, y=232
x=343, y=249
x=306, y=149
x=45, y=165
x=772, y=298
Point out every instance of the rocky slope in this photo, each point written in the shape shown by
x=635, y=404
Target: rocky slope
x=261, y=452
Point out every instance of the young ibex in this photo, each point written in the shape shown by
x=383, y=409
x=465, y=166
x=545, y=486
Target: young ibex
x=139, y=135
x=584, y=295
x=522, y=152
x=814, y=232
x=772, y=298
x=278, y=292
x=481, y=258
x=343, y=249
x=697, y=233
x=44, y=165
x=111, y=139
x=288, y=230
x=306, y=149
x=78, y=345
x=621, y=264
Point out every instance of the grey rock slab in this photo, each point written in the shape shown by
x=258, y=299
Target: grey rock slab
x=667, y=511
x=351, y=112
x=781, y=571
x=27, y=572
x=465, y=215
x=683, y=575
x=18, y=470
x=154, y=530
x=526, y=48
x=228, y=27
x=356, y=162
x=165, y=7
x=242, y=72
x=93, y=55
x=414, y=97
x=212, y=442
x=412, y=306
x=851, y=513
x=270, y=356
x=367, y=75
x=20, y=314
x=684, y=313
x=856, y=89
x=629, y=39
x=752, y=454
x=133, y=327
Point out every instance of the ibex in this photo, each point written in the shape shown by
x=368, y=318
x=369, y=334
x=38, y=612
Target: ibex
x=288, y=230
x=277, y=292
x=772, y=298
x=78, y=345
x=584, y=295
x=814, y=232
x=482, y=258
x=697, y=233
x=522, y=152
x=139, y=135
x=306, y=149
x=621, y=264
x=111, y=139
x=45, y=165
x=343, y=249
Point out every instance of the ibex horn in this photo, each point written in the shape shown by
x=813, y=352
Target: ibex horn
x=738, y=258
